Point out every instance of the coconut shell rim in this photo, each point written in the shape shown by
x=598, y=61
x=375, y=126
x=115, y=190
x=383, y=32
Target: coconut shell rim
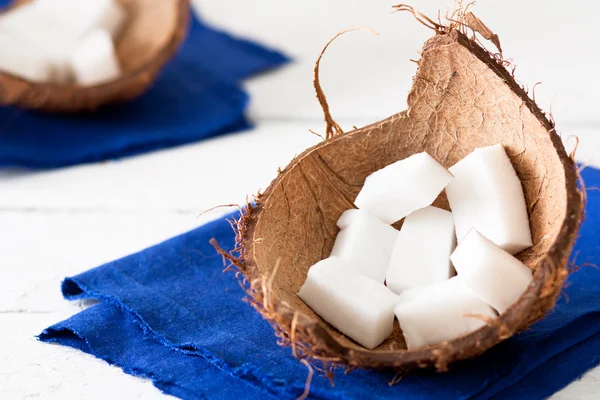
x=127, y=86
x=313, y=336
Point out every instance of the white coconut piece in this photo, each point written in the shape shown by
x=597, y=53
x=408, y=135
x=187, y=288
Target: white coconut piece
x=398, y=189
x=95, y=60
x=29, y=27
x=82, y=17
x=359, y=307
x=494, y=275
x=438, y=312
x=386, y=232
x=422, y=250
x=364, y=244
x=486, y=194
x=18, y=60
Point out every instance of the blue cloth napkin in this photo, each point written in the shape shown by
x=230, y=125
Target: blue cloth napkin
x=170, y=314
x=197, y=96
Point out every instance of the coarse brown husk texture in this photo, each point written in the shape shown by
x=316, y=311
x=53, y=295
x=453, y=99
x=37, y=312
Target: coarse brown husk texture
x=462, y=98
x=153, y=32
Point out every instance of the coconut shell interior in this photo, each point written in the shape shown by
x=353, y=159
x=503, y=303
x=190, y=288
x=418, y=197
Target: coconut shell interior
x=461, y=98
x=153, y=31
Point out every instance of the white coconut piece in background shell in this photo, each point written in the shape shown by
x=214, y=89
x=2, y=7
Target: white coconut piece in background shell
x=359, y=307
x=422, y=250
x=438, y=312
x=486, y=194
x=494, y=275
x=364, y=243
x=400, y=188
x=80, y=17
x=30, y=27
x=95, y=61
x=16, y=59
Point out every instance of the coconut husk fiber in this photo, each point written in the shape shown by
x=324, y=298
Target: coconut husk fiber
x=463, y=97
x=153, y=32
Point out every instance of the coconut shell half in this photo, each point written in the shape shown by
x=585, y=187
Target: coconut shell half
x=153, y=32
x=462, y=97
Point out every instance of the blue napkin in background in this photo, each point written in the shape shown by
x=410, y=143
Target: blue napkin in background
x=197, y=96
x=170, y=314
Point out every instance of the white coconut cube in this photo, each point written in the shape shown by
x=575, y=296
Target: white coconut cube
x=422, y=250
x=81, y=17
x=486, y=194
x=438, y=312
x=18, y=17
x=398, y=189
x=364, y=244
x=18, y=60
x=23, y=19
x=95, y=61
x=29, y=27
x=360, y=308
x=494, y=275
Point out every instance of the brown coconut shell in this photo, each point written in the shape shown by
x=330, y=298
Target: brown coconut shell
x=462, y=97
x=153, y=32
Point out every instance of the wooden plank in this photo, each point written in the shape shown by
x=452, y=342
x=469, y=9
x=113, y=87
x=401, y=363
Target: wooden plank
x=187, y=179
x=32, y=369
x=39, y=249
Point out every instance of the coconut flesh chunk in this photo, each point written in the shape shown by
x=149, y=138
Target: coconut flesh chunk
x=94, y=60
x=359, y=307
x=422, y=250
x=486, y=195
x=494, y=275
x=31, y=29
x=400, y=188
x=364, y=244
x=82, y=17
x=438, y=312
x=16, y=59
x=52, y=29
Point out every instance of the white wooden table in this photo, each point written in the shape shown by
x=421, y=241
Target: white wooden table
x=59, y=223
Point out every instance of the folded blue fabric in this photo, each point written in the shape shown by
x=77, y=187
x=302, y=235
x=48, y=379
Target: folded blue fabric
x=170, y=314
x=197, y=96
